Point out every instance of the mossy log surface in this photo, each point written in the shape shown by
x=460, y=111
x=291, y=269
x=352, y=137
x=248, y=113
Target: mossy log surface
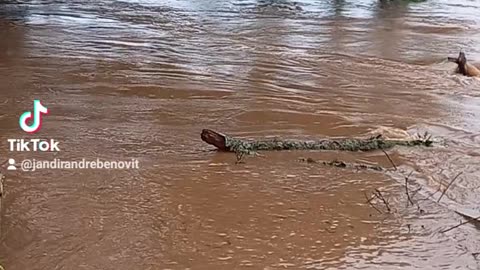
x=230, y=144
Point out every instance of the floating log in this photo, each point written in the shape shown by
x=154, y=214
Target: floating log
x=229, y=144
x=463, y=67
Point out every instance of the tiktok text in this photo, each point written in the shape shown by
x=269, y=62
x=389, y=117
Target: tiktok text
x=33, y=145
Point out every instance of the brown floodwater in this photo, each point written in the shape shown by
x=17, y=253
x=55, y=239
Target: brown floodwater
x=140, y=79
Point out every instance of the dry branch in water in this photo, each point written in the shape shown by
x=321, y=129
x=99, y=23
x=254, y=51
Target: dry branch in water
x=406, y=190
x=2, y=177
x=391, y=161
x=369, y=201
x=342, y=164
x=2, y=194
x=380, y=196
x=230, y=144
x=461, y=224
x=448, y=186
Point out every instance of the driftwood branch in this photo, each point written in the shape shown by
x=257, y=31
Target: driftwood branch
x=226, y=143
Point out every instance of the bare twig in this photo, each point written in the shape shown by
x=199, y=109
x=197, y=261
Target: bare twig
x=461, y=224
x=436, y=191
x=239, y=156
x=391, y=161
x=415, y=192
x=448, y=186
x=379, y=195
x=369, y=201
x=2, y=194
x=406, y=190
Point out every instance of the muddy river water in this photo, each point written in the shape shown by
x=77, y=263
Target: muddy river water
x=140, y=80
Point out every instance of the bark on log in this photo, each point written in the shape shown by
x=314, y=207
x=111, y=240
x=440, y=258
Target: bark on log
x=214, y=138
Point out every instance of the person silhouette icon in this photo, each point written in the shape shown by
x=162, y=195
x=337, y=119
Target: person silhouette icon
x=11, y=164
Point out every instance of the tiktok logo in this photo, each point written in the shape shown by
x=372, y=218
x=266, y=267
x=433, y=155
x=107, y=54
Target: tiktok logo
x=32, y=145
x=38, y=110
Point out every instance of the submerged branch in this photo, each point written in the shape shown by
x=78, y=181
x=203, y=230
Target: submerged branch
x=406, y=190
x=380, y=196
x=469, y=220
x=230, y=144
x=2, y=177
x=390, y=159
x=342, y=164
x=2, y=195
x=448, y=186
x=369, y=201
